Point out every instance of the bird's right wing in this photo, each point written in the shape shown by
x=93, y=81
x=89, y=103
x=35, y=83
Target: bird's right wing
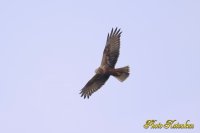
x=94, y=84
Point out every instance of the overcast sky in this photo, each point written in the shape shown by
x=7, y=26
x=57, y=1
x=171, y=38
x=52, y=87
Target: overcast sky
x=50, y=49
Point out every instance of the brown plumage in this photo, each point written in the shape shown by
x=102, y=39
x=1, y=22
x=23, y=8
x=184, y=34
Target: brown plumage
x=107, y=67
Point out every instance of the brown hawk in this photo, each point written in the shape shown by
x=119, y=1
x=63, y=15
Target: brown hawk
x=107, y=67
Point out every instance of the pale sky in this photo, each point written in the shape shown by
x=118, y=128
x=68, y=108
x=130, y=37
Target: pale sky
x=50, y=49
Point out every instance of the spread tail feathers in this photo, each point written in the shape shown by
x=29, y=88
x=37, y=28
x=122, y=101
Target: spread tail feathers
x=123, y=73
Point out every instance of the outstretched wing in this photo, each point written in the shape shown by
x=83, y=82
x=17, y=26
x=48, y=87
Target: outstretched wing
x=111, y=51
x=94, y=84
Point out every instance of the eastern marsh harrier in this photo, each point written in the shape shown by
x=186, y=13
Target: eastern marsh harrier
x=107, y=67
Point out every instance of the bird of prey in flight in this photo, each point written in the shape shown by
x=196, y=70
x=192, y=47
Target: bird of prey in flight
x=107, y=67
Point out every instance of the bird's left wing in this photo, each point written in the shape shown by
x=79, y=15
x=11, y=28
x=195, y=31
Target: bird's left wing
x=111, y=50
x=94, y=84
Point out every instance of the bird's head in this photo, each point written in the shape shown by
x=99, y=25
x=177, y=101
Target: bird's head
x=98, y=71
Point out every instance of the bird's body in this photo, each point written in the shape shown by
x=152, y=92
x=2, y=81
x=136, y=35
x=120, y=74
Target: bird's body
x=108, y=70
x=107, y=67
